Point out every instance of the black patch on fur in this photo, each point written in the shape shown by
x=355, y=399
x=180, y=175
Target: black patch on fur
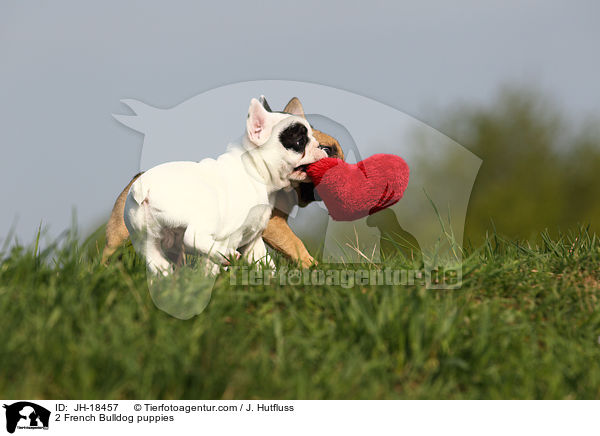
x=306, y=194
x=294, y=137
x=331, y=152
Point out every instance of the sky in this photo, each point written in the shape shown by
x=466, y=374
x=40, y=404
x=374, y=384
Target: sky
x=67, y=64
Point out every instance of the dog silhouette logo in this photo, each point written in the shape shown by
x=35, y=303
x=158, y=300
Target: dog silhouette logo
x=26, y=415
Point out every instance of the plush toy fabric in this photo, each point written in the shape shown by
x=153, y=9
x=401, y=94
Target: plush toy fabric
x=353, y=191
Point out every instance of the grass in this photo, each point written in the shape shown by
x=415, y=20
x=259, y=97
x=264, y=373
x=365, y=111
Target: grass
x=525, y=324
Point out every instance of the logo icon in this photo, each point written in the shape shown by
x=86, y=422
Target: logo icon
x=26, y=415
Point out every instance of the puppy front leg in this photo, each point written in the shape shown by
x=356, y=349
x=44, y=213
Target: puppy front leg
x=256, y=251
x=216, y=252
x=280, y=236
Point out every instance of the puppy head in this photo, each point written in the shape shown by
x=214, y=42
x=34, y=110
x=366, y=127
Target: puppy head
x=296, y=136
x=286, y=141
x=326, y=143
x=330, y=145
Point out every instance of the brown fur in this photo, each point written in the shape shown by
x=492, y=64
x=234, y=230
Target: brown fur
x=116, y=232
x=277, y=234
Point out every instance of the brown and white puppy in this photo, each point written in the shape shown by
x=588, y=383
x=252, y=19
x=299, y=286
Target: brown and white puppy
x=277, y=234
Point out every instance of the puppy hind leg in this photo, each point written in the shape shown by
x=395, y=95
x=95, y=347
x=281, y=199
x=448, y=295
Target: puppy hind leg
x=107, y=252
x=116, y=231
x=155, y=260
x=116, y=234
x=145, y=232
x=148, y=246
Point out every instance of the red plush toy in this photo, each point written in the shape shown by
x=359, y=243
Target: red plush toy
x=353, y=191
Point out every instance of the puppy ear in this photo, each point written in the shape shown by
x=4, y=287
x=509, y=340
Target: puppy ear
x=294, y=107
x=259, y=123
x=263, y=101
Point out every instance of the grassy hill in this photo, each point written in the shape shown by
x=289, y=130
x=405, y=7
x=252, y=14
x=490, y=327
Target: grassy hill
x=525, y=324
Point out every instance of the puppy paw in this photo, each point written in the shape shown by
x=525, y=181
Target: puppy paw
x=226, y=259
x=308, y=261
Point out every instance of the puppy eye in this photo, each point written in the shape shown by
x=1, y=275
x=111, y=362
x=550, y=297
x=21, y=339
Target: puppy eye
x=326, y=149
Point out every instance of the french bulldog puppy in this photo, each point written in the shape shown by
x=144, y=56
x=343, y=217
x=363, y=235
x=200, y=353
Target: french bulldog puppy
x=277, y=234
x=220, y=208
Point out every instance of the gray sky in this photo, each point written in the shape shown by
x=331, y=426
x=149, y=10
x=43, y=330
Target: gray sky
x=66, y=65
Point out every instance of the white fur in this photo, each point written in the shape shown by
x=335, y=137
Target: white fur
x=222, y=205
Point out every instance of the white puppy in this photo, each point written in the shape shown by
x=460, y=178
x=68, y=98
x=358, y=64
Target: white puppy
x=219, y=208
